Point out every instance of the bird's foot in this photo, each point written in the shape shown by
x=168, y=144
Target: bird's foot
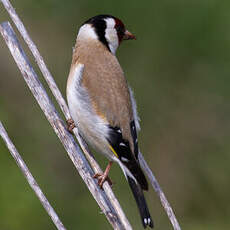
x=70, y=125
x=102, y=177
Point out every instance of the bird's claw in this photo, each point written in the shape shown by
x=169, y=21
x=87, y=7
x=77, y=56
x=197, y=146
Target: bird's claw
x=102, y=177
x=70, y=125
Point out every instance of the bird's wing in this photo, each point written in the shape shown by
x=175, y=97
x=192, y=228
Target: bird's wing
x=121, y=149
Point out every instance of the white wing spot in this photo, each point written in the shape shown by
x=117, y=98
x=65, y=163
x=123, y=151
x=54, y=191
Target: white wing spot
x=124, y=159
x=122, y=144
x=146, y=221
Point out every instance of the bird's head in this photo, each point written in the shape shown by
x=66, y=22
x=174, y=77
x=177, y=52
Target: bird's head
x=107, y=29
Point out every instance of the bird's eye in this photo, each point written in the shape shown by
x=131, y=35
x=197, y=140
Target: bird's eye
x=120, y=32
x=120, y=29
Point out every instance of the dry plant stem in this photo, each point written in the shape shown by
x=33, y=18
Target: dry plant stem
x=49, y=79
x=82, y=143
x=32, y=182
x=37, y=56
x=57, y=94
x=65, y=137
x=160, y=193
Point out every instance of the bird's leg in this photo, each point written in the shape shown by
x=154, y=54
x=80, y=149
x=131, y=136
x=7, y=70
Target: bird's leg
x=70, y=125
x=102, y=177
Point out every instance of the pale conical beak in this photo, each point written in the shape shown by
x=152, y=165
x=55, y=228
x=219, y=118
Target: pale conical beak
x=128, y=36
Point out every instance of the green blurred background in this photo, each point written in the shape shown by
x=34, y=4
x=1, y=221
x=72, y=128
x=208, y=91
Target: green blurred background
x=179, y=68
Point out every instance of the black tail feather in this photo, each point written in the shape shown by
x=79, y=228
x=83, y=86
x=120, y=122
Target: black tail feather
x=141, y=203
x=135, y=169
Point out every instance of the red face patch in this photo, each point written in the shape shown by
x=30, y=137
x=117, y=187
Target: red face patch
x=120, y=28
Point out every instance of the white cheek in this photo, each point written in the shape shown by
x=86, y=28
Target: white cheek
x=111, y=34
x=112, y=38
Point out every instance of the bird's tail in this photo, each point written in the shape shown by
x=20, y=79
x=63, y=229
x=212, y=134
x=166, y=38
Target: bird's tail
x=141, y=202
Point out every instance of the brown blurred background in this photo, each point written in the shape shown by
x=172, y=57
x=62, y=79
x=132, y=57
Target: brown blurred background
x=179, y=68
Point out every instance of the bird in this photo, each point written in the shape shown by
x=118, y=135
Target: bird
x=102, y=103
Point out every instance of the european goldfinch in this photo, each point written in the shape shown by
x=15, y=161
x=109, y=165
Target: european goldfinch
x=102, y=104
